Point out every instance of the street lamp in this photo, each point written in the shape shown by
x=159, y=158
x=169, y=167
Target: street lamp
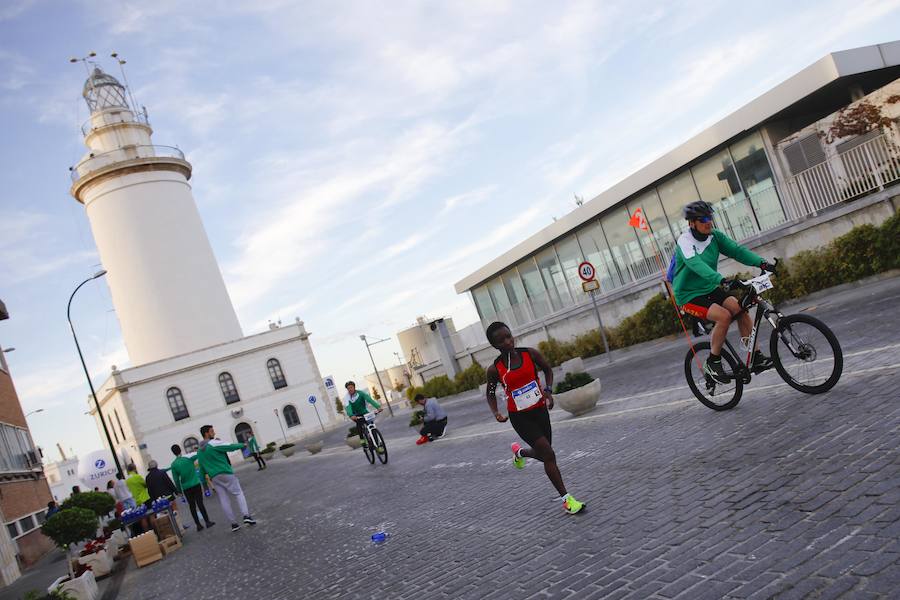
x=377, y=375
x=37, y=410
x=5, y=350
x=87, y=375
x=278, y=418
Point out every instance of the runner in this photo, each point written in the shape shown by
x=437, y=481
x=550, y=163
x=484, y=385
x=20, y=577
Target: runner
x=528, y=404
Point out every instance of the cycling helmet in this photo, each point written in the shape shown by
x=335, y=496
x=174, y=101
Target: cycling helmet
x=349, y=383
x=698, y=209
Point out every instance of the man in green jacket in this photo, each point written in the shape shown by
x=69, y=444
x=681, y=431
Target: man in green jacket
x=212, y=457
x=355, y=408
x=186, y=480
x=698, y=286
x=253, y=447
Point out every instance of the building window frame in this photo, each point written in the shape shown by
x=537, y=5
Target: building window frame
x=229, y=388
x=177, y=405
x=195, y=443
x=276, y=373
x=292, y=417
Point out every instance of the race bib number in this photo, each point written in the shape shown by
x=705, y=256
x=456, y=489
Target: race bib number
x=527, y=396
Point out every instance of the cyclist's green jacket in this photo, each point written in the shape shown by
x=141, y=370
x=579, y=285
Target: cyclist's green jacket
x=696, y=263
x=213, y=458
x=356, y=406
x=184, y=474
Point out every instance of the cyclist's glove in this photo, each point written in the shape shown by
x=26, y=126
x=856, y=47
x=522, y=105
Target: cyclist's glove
x=732, y=284
x=767, y=266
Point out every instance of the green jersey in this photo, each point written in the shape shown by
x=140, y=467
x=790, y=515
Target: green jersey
x=184, y=473
x=213, y=458
x=356, y=405
x=696, y=263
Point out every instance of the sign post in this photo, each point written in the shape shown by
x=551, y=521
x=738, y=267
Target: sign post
x=283, y=434
x=589, y=284
x=312, y=400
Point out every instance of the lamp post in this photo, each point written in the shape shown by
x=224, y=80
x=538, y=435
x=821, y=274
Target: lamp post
x=278, y=418
x=377, y=375
x=87, y=375
x=37, y=410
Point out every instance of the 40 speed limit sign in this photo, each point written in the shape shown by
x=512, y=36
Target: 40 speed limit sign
x=586, y=271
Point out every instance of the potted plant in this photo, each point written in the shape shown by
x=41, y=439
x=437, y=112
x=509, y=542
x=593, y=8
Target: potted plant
x=577, y=393
x=353, y=439
x=66, y=528
x=287, y=449
x=268, y=453
x=315, y=446
x=417, y=418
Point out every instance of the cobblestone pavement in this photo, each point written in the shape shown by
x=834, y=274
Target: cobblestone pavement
x=786, y=496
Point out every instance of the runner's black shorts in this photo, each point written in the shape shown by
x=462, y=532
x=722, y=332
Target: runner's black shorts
x=531, y=425
x=699, y=306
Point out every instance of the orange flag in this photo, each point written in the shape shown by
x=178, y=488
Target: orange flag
x=638, y=220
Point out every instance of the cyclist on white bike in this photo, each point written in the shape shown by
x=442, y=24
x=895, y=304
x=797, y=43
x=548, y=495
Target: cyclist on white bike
x=703, y=292
x=355, y=407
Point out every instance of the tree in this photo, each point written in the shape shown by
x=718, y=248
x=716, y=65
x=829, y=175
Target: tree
x=338, y=405
x=375, y=394
x=99, y=503
x=70, y=526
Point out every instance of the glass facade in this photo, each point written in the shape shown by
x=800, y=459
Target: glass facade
x=737, y=181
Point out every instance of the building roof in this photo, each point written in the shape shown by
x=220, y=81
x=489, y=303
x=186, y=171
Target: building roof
x=811, y=79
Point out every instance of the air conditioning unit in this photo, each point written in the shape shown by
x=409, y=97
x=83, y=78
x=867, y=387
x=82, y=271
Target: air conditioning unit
x=32, y=458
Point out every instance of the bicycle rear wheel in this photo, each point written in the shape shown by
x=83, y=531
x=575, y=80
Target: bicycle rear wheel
x=806, y=353
x=369, y=448
x=711, y=393
x=380, y=447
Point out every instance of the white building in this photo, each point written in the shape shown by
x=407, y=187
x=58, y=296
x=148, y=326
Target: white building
x=61, y=476
x=193, y=364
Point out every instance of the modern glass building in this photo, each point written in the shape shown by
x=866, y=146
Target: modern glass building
x=736, y=165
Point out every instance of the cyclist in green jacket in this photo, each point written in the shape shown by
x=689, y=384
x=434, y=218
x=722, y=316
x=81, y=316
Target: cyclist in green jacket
x=355, y=408
x=703, y=292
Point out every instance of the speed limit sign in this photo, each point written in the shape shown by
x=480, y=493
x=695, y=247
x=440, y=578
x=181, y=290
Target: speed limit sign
x=586, y=271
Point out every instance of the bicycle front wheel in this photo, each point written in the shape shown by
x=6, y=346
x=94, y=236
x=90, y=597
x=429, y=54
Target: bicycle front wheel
x=369, y=448
x=711, y=393
x=380, y=447
x=806, y=353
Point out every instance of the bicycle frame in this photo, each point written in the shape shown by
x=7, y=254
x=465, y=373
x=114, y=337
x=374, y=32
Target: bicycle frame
x=764, y=310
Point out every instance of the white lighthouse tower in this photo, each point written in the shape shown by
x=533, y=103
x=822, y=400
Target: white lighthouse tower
x=165, y=283
x=192, y=366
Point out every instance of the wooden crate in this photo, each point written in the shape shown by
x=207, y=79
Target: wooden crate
x=169, y=545
x=145, y=549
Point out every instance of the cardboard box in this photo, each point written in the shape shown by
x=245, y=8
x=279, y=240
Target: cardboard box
x=145, y=549
x=169, y=545
x=163, y=526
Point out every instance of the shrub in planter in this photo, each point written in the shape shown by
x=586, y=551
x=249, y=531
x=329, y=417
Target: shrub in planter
x=283, y=446
x=470, y=378
x=70, y=526
x=418, y=417
x=572, y=381
x=100, y=503
x=439, y=387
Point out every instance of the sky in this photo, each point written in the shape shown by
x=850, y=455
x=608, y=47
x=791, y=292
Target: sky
x=353, y=160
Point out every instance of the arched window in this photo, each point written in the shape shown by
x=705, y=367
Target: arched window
x=276, y=373
x=190, y=445
x=229, y=391
x=290, y=415
x=176, y=404
x=243, y=432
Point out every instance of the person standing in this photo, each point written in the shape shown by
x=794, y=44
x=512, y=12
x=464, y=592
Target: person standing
x=159, y=485
x=187, y=481
x=137, y=486
x=253, y=446
x=434, y=421
x=213, y=460
x=528, y=403
x=123, y=494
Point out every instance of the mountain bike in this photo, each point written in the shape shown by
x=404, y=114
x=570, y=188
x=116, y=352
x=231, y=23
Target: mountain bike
x=374, y=443
x=805, y=352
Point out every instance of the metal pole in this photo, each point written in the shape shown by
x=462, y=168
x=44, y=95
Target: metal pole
x=87, y=375
x=318, y=417
x=277, y=418
x=378, y=376
x=600, y=323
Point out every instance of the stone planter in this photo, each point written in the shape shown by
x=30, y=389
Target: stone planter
x=101, y=563
x=80, y=588
x=314, y=447
x=118, y=539
x=354, y=442
x=267, y=456
x=580, y=400
x=289, y=451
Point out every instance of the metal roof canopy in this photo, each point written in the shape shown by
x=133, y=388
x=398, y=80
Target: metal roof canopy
x=779, y=102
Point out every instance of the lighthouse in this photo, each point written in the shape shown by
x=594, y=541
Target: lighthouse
x=166, y=286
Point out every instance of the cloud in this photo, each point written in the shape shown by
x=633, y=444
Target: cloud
x=27, y=255
x=468, y=199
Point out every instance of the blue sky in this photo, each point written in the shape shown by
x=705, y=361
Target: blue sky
x=351, y=160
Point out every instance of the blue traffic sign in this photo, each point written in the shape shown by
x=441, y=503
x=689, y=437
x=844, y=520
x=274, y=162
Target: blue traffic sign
x=312, y=399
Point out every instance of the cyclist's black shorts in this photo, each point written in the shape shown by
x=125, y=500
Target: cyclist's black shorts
x=531, y=425
x=699, y=306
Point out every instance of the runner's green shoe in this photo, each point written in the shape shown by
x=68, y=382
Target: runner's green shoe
x=518, y=461
x=571, y=505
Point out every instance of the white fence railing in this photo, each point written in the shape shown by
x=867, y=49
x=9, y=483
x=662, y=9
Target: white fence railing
x=870, y=166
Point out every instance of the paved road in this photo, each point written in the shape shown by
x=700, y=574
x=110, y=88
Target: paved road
x=786, y=496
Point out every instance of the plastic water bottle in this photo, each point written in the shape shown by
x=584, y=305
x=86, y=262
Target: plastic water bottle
x=207, y=493
x=380, y=537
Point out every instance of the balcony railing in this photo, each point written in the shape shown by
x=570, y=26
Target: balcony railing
x=100, y=161
x=113, y=117
x=868, y=167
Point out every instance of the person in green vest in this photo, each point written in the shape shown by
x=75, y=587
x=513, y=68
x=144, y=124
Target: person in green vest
x=137, y=486
x=212, y=456
x=253, y=447
x=703, y=291
x=355, y=408
x=187, y=481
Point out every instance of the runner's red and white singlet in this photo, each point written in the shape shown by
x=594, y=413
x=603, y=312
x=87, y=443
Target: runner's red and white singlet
x=522, y=385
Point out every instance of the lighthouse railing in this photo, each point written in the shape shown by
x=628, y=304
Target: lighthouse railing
x=95, y=162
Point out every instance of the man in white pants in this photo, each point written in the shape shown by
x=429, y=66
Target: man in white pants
x=212, y=456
